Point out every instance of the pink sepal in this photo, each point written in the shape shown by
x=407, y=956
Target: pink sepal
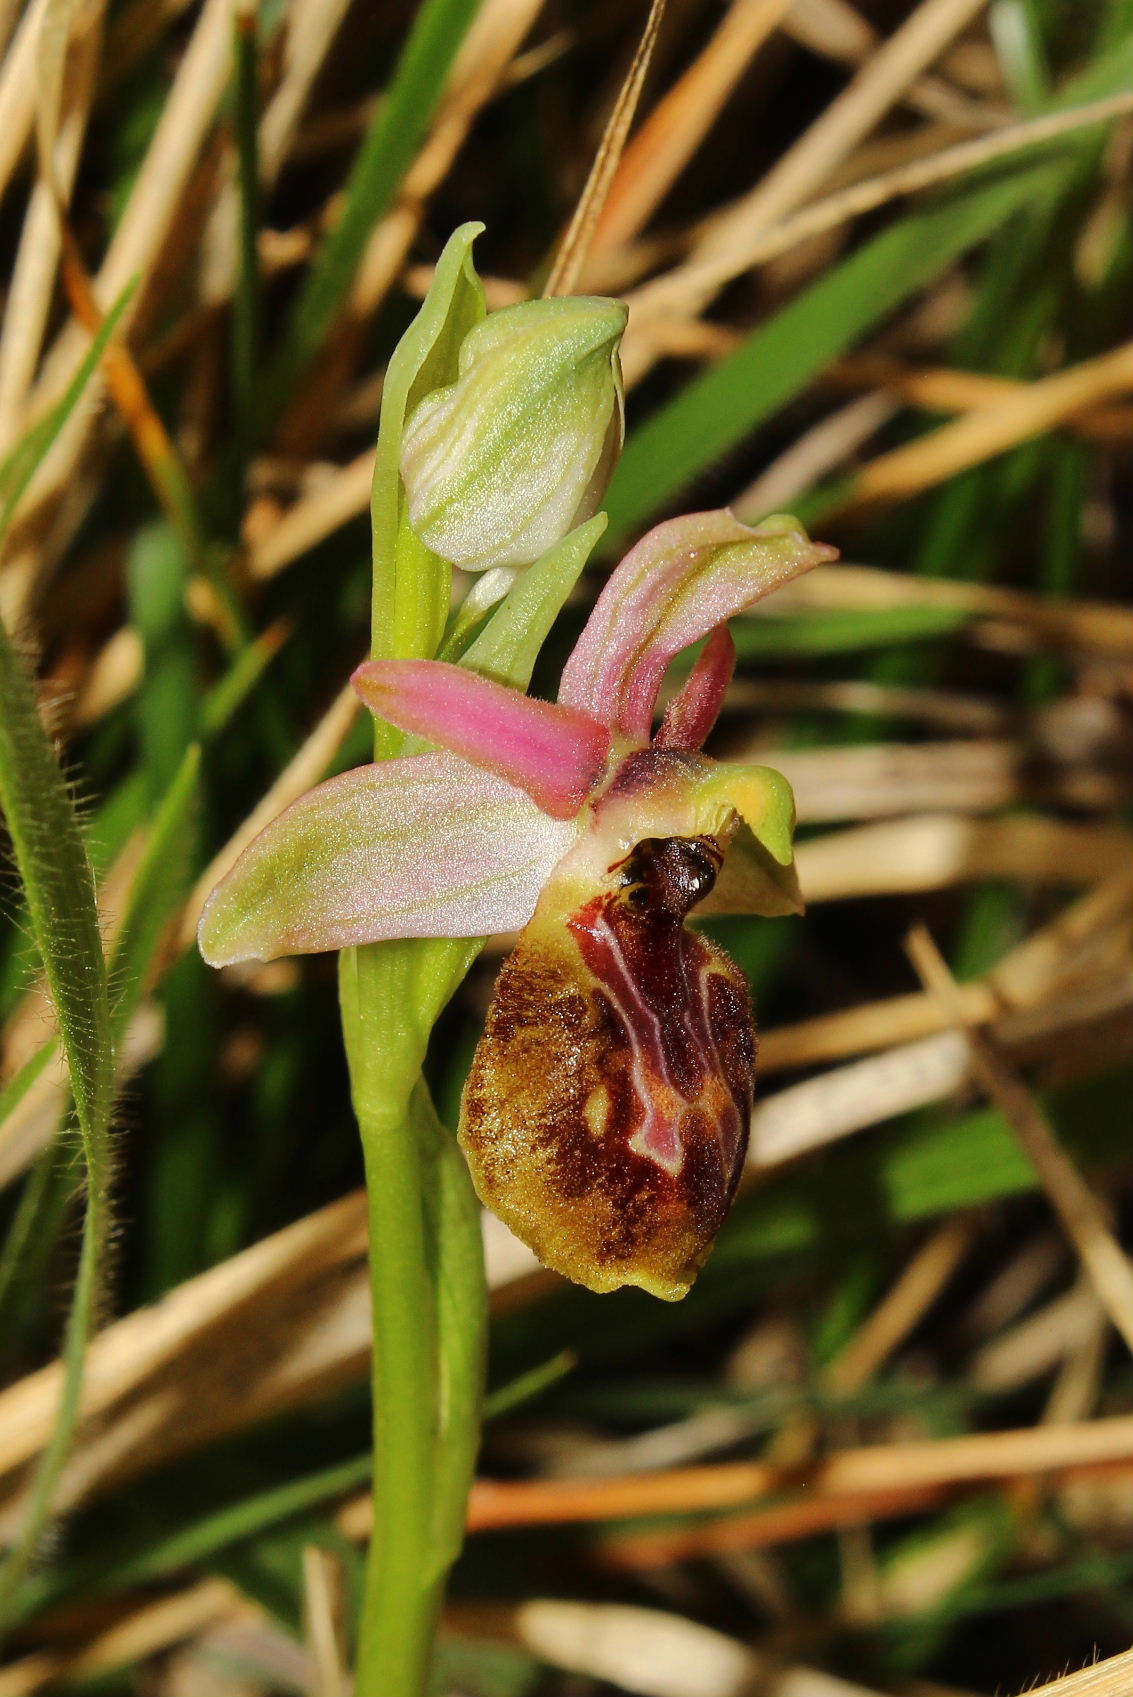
x=684, y=577
x=691, y=715
x=553, y=753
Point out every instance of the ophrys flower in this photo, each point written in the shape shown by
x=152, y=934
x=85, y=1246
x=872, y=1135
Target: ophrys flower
x=605, y=1114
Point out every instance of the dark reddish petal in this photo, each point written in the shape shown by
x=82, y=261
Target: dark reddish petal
x=606, y=1112
x=553, y=753
x=691, y=715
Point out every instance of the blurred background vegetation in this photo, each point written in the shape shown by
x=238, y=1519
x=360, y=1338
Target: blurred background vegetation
x=878, y=262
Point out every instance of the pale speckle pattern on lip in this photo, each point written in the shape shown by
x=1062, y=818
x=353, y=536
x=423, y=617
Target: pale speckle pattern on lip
x=606, y=1110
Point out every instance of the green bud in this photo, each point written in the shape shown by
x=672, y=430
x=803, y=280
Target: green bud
x=500, y=465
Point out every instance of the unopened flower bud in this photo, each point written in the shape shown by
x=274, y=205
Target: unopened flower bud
x=501, y=464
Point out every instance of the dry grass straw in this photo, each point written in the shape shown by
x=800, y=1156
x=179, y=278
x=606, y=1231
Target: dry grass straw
x=477, y=74
x=653, y=1652
x=719, y=253
x=323, y=1602
x=648, y=1651
x=941, y=390
x=663, y=305
x=1082, y=1215
x=837, y=31
x=903, y=1307
x=570, y=261
x=143, y=1633
x=987, y=431
x=843, y=1476
x=62, y=131
x=174, y=1377
x=678, y=124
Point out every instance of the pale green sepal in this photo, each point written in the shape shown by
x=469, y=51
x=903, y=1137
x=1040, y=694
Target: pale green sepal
x=427, y=846
x=411, y=584
x=507, y=648
x=501, y=464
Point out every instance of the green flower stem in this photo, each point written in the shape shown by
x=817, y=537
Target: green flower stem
x=429, y=1303
x=402, y=1590
x=453, y=1214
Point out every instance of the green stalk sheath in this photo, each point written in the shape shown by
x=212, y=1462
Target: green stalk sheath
x=453, y=1217
x=403, y=1588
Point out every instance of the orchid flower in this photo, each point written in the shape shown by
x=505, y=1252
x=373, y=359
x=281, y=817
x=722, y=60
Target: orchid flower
x=606, y=1112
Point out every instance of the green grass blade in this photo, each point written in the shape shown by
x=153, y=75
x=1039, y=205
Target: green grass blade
x=59, y=888
x=167, y=704
x=771, y=638
x=20, y=466
x=714, y=413
x=35, y=1225
x=157, y=890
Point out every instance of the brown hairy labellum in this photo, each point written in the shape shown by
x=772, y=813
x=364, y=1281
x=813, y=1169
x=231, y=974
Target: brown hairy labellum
x=605, y=1117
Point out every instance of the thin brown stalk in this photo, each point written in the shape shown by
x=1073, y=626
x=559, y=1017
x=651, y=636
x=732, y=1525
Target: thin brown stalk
x=903, y=1306
x=788, y=1522
x=576, y=244
x=678, y=124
